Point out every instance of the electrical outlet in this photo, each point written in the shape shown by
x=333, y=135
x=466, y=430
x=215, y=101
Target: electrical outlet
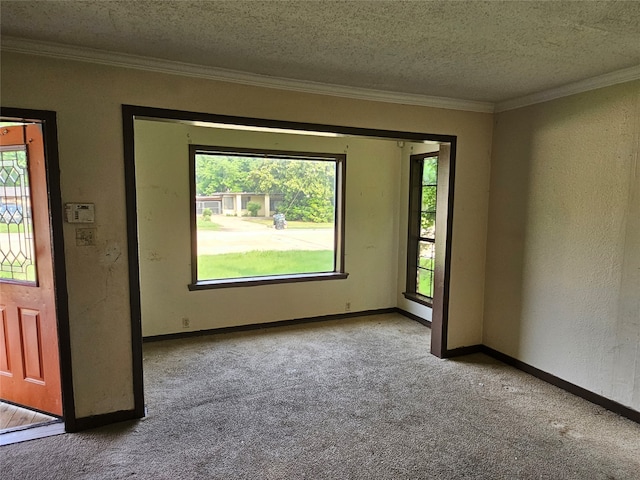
x=185, y=322
x=347, y=307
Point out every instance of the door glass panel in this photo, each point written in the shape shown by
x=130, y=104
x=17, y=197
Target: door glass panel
x=16, y=224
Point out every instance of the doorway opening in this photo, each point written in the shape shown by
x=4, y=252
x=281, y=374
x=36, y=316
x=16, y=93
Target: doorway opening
x=174, y=206
x=35, y=373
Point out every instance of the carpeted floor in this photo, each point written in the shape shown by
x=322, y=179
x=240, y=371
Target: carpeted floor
x=349, y=399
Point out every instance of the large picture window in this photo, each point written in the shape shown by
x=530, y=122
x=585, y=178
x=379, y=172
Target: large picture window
x=421, y=257
x=281, y=218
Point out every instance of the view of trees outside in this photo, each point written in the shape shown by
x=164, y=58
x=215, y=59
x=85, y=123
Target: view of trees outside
x=241, y=247
x=429, y=190
x=426, y=247
x=307, y=186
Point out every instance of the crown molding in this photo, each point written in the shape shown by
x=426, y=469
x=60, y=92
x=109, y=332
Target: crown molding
x=103, y=57
x=593, y=83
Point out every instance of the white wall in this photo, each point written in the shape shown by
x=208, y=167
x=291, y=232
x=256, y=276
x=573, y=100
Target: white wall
x=563, y=255
x=88, y=98
x=372, y=204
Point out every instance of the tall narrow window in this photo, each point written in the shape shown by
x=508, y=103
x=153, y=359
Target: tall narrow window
x=422, y=227
x=289, y=225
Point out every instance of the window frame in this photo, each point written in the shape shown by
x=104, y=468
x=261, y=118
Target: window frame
x=414, y=237
x=339, y=218
x=444, y=237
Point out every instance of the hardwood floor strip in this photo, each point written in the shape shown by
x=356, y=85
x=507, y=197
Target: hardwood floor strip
x=6, y=413
x=13, y=417
x=20, y=417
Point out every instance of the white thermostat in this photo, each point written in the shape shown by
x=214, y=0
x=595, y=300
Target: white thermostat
x=80, y=212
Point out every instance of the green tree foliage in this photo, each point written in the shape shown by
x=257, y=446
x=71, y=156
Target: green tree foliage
x=307, y=186
x=216, y=174
x=429, y=191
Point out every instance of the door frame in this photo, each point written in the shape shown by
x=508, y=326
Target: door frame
x=440, y=321
x=56, y=220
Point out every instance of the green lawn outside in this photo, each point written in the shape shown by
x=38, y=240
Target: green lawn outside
x=202, y=224
x=5, y=272
x=258, y=263
x=13, y=227
x=29, y=276
x=425, y=286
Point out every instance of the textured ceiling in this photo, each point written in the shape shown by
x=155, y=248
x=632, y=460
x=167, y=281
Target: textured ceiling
x=484, y=51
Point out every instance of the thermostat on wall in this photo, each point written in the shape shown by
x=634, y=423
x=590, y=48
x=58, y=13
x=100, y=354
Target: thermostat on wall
x=80, y=212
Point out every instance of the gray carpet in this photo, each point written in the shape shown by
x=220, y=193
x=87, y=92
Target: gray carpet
x=349, y=399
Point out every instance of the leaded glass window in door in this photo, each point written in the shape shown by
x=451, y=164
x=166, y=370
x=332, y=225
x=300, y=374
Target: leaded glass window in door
x=17, y=256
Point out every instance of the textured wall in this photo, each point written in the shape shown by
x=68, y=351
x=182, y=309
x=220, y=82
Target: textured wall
x=88, y=98
x=563, y=249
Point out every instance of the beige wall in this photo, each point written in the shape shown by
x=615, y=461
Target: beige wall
x=376, y=212
x=563, y=250
x=162, y=172
x=88, y=98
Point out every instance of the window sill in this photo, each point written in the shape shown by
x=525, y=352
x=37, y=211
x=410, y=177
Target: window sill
x=421, y=299
x=266, y=280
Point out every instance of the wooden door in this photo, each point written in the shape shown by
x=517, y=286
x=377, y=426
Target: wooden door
x=29, y=356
